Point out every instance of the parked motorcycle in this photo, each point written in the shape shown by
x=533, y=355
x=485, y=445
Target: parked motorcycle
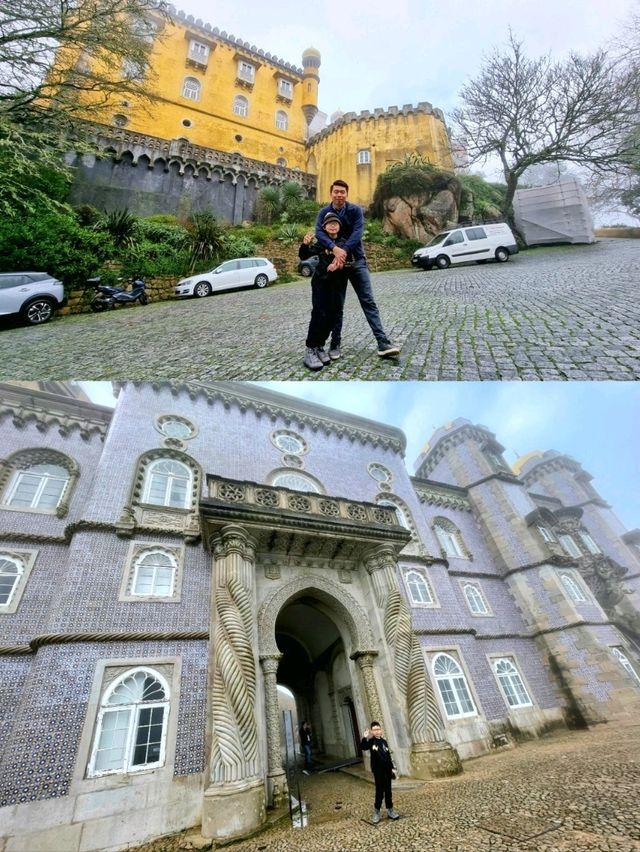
x=111, y=297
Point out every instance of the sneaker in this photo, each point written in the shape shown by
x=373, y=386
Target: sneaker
x=322, y=355
x=334, y=353
x=311, y=359
x=386, y=348
x=392, y=813
x=375, y=819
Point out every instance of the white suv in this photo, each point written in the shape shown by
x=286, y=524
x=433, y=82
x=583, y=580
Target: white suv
x=32, y=295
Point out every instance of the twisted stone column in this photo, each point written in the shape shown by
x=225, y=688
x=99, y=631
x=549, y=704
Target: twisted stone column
x=365, y=664
x=235, y=757
x=277, y=779
x=425, y=720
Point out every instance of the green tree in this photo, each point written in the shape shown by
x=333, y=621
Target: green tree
x=529, y=111
x=206, y=239
x=63, y=64
x=269, y=204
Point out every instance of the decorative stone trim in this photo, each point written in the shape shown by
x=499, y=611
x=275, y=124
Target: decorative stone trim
x=351, y=428
x=26, y=559
x=137, y=550
x=34, y=456
x=48, y=410
x=73, y=638
x=448, y=525
x=435, y=494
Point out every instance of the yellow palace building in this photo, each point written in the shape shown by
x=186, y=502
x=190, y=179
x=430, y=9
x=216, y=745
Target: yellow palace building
x=228, y=119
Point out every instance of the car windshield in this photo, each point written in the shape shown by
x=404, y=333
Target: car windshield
x=439, y=238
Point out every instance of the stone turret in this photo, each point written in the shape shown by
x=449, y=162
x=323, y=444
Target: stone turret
x=311, y=79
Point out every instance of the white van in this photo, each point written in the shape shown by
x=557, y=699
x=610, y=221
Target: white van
x=468, y=243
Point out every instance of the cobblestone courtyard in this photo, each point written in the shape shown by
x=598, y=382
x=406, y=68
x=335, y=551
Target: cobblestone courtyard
x=569, y=792
x=560, y=313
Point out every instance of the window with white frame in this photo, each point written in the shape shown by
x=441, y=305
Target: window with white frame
x=37, y=486
x=191, y=89
x=11, y=572
x=449, y=539
x=289, y=442
x=246, y=71
x=154, y=574
x=168, y=483
x=285, y=88
x=364, y=157
x=240, y=106
x=131, y=726
x=475, y=601
x=624, y=662
x=512, y=684
x=419, y=591
x=296, y=481
x=452, y=686
x=569, y=546
x=282, y=120
x=588, y=542
x=572, y=588
x=198, y=51
x=546, y=533
x=400, y=515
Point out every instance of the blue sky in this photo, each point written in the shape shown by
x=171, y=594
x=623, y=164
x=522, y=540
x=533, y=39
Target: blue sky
x=595, y=422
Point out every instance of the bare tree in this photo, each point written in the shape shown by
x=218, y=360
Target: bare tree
x=63, y=64
x=532, y=111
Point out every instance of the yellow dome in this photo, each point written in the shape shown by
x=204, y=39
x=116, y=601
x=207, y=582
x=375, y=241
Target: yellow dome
x=519, y=463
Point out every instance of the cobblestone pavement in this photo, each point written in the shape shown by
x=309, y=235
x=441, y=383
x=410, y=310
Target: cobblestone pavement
x=569, y=792
x=562, y=313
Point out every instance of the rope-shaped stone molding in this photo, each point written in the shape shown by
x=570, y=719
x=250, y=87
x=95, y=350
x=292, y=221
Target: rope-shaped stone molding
x=235, y=738
x=73, y=638
x=424, y=717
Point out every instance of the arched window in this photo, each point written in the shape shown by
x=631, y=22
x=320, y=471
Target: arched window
x=131, y=724
x=569, y=546
x=11, y=571
x=281, y=162
x=154, y=574
x=419, y=591
x=402, y=518
x=282, y=120
x=512, y=685
x=452, y=686
x=364, y=157
x=624, y=662
x=588, y=542
x=240, y=106
x=296, y=481
x=475, y=601
x=449, y=538
x=573, y=589
x=37, y=486
x=191, y=89
x=168, y=483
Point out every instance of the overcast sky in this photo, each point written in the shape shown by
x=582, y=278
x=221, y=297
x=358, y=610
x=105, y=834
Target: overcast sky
x=379, y=53
x=595, y=422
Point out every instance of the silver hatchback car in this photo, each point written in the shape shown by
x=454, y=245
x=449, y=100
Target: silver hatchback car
x=241, y=272
x=34, y=296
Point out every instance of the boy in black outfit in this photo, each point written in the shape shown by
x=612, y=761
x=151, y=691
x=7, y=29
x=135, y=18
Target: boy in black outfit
x=383, y=770
x=328, y=287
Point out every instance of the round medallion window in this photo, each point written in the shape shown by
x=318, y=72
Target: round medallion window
x=379, y=472
x=176, y=427
x=289, y=443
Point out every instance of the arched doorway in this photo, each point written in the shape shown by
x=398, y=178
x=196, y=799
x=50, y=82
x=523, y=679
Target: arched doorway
x=316, y=669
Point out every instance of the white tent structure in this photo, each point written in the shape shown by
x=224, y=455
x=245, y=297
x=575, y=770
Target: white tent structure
x=558, y=213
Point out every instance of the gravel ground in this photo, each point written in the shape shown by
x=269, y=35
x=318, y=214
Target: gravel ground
x=575, y=791
x=560, y=313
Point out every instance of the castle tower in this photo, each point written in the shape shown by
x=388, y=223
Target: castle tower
x=311, y=78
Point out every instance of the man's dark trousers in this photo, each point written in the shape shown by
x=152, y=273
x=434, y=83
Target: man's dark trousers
x=358, y=275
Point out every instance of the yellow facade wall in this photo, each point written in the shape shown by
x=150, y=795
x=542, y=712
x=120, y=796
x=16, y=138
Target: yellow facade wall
x=212, y=122
x=388, y=136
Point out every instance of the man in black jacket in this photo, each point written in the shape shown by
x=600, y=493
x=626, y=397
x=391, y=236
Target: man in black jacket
x=351, y=230
x=383, y=770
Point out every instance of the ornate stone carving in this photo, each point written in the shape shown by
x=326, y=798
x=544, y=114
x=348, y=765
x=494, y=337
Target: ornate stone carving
x=268, y=498
x=299, y=503
x=329, y=507
x=356, y=513
x=365, y=664
x=232, y=493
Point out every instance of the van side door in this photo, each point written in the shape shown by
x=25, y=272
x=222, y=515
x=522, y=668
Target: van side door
x=479, y=244
x=455, y=246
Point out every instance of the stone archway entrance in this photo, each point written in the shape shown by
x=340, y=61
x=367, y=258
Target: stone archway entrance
x=315, y=667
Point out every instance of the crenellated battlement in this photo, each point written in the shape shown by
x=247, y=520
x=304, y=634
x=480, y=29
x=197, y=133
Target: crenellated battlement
x=222, y=35
x=392, y=112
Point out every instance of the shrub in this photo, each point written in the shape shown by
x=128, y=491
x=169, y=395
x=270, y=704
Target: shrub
x=151, y=259
x=54, y=243
x=172, y=237
x=120, y=225
x=289, y=232
x=238, y=246
x=206, y=239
